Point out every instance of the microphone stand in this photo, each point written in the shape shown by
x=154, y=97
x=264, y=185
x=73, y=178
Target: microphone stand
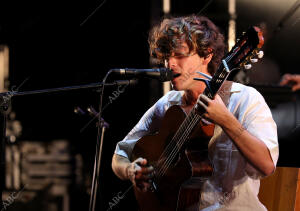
x=3, y=117
x=5, y=99
x=96, y=173
x=97, y=162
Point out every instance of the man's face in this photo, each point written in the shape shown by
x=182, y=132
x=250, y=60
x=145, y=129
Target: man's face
x=185, y=64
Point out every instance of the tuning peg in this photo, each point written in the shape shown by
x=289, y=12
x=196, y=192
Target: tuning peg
x=247, y=66
x=260, y=54
x=254, y=60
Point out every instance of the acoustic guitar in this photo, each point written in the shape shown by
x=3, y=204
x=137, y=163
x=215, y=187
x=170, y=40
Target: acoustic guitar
x=178, y=152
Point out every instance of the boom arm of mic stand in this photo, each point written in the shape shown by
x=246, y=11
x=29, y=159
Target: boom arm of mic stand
x=7, y=95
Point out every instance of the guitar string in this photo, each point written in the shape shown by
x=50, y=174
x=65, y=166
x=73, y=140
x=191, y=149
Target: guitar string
x=183, y=136
x=176, y=136
x=175, y=152
x=190, y=126
x=167, y=152
x=181, y=139
x=175, y=139
x=179, y=143
x=169, y=147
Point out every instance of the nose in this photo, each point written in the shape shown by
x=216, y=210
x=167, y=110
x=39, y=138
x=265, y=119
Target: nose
x=172, y=62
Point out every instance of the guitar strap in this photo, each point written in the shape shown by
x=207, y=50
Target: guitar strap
x=224, y=91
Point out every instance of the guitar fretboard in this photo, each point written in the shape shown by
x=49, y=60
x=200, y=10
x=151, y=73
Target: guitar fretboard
x=190, y=122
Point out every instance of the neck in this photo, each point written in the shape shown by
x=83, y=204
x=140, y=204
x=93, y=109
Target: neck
x=190, y=96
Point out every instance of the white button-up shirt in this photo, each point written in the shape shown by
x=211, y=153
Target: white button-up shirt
x=235, y=182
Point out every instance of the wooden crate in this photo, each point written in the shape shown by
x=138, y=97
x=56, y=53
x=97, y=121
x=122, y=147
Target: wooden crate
x=281, y=190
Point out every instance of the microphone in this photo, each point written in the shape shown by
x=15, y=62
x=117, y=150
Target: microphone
x=162, y=74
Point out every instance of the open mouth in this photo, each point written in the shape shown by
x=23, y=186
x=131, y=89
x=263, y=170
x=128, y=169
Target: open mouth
x=175, y=75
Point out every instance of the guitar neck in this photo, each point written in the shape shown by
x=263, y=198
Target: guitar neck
x=195, y=115
x=216, y=82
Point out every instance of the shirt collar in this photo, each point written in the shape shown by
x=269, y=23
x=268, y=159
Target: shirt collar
x=175, y=98
x=236, y=87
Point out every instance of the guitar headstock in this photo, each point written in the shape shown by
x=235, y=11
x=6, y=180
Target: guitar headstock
x=246, y=50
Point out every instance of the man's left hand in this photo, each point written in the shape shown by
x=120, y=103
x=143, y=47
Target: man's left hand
x=216, y=110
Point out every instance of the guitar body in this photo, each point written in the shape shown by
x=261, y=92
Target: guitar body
x=190, y=162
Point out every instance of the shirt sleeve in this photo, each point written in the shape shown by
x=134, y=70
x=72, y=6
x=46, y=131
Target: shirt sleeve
x=148, y=124
x=257, y=120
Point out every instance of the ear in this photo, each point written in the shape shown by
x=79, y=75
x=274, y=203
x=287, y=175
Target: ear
x=207, y=59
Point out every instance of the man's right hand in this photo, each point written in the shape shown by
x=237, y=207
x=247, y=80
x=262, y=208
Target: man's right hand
x=140, y=174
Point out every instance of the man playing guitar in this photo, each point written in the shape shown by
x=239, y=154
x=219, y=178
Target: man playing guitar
x=244, y=144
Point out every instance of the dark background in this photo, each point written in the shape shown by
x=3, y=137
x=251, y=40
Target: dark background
x=52, y=47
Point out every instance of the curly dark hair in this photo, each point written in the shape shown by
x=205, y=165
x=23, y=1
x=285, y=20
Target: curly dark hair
x=200, y=34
